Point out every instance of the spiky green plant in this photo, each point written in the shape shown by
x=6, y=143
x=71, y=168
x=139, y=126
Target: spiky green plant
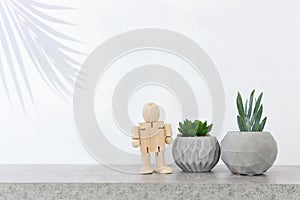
x=249, y=119
x=193, y=129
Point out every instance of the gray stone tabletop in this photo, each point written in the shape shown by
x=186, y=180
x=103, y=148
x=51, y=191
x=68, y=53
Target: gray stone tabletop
x=91, y=182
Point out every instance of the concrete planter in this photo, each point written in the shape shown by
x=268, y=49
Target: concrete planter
x=196, y=154
x=249, y=153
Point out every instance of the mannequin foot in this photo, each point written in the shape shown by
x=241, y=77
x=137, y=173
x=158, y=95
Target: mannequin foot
x=146, y=171
x=164, y=170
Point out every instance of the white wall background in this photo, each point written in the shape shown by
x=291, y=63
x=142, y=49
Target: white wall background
x=254, y=44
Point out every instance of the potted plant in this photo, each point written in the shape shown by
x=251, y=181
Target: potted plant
x=250, y=151
x=194, y=150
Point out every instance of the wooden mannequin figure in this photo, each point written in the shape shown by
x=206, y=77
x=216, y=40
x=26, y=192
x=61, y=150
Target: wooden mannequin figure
x=151, y=136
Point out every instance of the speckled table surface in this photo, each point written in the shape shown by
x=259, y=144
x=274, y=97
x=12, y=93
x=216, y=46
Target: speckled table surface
x=91, y=182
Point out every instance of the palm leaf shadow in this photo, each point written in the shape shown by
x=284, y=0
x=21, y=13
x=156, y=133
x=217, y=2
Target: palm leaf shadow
x=23, y=19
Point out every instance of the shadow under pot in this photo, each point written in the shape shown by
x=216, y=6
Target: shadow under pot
x=249, y=153
x=196, y=154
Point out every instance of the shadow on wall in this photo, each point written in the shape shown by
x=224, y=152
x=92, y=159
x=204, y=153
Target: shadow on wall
x=24, y=25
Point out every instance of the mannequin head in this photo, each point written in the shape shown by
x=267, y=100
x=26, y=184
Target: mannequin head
x=151, y=112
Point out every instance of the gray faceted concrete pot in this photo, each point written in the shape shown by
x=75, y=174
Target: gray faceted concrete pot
x=196, y=154
x=249, y=153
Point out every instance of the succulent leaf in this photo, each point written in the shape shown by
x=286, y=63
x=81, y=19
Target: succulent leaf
x=262, y=124
x=210, y=127
x=246, y=107
x=240, y=106
x=242, y=124
x=257, y=119
x=257, y=105
x=249, y=119
x=241, y=127
x=192, y=129
x=250, y=104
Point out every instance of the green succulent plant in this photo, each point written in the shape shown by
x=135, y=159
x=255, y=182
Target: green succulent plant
x=193, y=129
x=249, y=118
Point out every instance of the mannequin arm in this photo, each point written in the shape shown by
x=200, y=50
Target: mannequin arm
x=168, y=133
x=135, y=136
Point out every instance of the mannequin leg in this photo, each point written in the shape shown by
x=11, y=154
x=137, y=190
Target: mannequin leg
x=146, y=164
x=160, y=164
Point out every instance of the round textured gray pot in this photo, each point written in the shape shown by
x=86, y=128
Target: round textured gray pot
x=196, y=154
x=249, y=153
